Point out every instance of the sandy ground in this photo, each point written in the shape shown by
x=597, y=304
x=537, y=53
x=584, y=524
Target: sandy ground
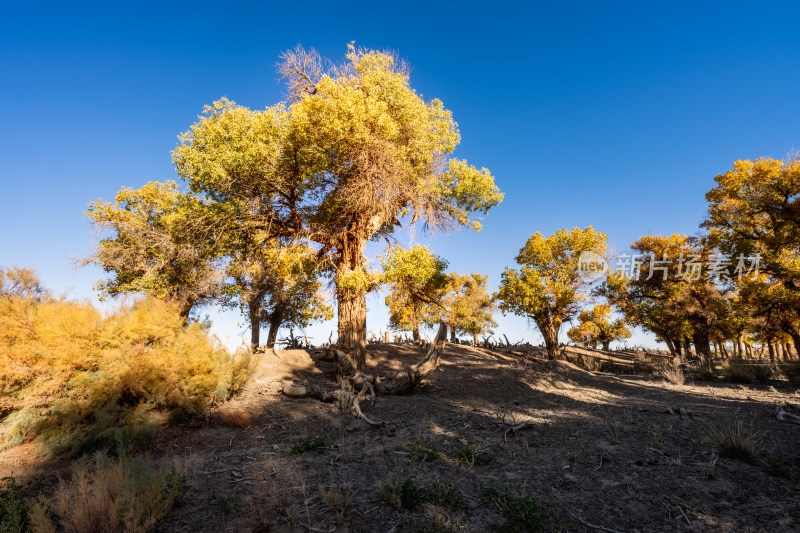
x=598, y=448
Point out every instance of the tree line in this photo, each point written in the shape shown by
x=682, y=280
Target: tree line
x=279, y=200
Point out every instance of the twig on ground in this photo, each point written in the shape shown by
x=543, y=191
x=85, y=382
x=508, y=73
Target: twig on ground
x=331, y=530
x=517, y=427
x=592, y=526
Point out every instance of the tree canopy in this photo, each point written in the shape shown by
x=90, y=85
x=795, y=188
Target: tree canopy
x=353, y=151
x=596, y=327
x=416, y=281
x=548, y=288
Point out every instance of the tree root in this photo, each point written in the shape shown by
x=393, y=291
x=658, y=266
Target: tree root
x=517, y=427
x=398, y=383
x=783, y=416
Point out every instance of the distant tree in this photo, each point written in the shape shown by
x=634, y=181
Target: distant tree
x=547, y=288
x=154, y=248
x=416, y=281
x=466, y=306
x=753, y=211
x=675, y=299
x=21, y=282
x=596, y=327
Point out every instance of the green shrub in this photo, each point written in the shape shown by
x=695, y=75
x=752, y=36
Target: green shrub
x=77, y=380
x=523, y=513
x=314, y=443
x=473, y=456
x=738, y=371
x=402, y=494
x=420, y=452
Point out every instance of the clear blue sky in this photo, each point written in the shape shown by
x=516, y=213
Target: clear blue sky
x=617, y=115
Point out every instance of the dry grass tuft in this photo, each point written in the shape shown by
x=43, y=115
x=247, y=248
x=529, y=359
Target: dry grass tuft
x=735, y=441
x=124, y=494
x=674, y=374
x=235, y=417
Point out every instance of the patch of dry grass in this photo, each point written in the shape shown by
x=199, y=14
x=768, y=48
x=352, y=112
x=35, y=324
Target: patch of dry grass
x=736, y=441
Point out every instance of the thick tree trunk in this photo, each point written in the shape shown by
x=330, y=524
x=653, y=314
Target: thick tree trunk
x=796, y=340
x=353, y=325
x=453, y=335
x=416, y=335
x=550, y=333
x=474, y=339
x=275, y=321
x=351, y=294
x=254, y=313
x=702, y=346
x=771, y=348
x=606, y=346
x=687, y=347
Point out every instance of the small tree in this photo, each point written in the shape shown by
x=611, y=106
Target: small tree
x=596, y=327
x=154, y=248
x=276, y=284
x=547, y=288
x=21, y=282
x=416, y=281
x=466, y=306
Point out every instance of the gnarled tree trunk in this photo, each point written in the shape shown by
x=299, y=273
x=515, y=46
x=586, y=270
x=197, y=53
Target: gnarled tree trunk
x=550, y=333
x=353, y=325
x=351, y=298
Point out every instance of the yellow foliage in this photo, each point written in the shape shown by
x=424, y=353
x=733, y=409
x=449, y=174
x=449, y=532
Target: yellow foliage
x=75, y=379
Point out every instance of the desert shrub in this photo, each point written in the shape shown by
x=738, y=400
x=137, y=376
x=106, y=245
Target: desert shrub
x=791, y=371
x=402, y=494
x=315, y=443
x=738, y=371
x=13, y=511
x=705, y=373
x=124, y=494
x=420, y=452
x=523, y=513
x=736, y=441
x=446, y=497
x=473, y=456
x=586, y=362
x=77, y=380
x=674, y=374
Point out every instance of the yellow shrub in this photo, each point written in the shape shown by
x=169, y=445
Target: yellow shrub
x=76, y=380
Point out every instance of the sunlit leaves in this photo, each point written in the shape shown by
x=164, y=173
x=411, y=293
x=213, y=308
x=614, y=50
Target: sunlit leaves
x=415, y=280
x=596, y=326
